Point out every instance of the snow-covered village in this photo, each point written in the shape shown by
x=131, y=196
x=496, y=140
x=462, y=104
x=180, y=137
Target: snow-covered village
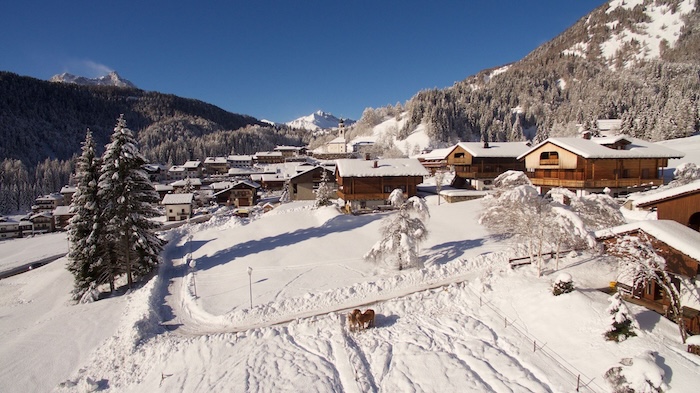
x=532, y=228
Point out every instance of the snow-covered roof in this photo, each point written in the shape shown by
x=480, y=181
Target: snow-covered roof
x=651, y=199
x=248, y=183
x=176, y=168
x=268, y=154
x=192, y=164
x=61, y=211
x=67, y=189
x=194, y=182
x=670, y=232
x=384, y=167
x=435, y=154
x=50, y=197
x=215, y=160
x=593, y=148
x=288, y=148
x=303, y=171
x=240, y=158
x=221, y=185
x=495, y=149
x=163, y=187
x=178, y=199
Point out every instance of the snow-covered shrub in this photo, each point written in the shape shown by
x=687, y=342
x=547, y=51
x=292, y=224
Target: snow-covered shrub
x=622, y=324
x=563, y=284
x=637, y=374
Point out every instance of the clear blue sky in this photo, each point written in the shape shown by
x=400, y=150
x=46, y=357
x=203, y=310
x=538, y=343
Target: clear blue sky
x=279, y=60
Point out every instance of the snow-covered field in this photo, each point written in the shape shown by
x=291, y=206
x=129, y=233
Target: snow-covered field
x=465, y=322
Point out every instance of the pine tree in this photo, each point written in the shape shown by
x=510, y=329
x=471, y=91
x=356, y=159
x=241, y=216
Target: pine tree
x=324, y=192
x=84, y=232
x=622, y=323
x=403, y=232
x=128, y=198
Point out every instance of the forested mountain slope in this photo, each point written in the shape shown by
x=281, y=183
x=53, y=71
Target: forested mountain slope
x=42, y=126
x=635, y=60
x=40, y=120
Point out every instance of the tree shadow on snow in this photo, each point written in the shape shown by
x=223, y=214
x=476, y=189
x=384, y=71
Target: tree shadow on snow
x=647, y=319
x=441, y=254
x=335, y=225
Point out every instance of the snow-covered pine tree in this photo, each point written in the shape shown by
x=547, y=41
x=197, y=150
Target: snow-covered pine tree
x=129, y=197
x=84, y=232
x=324, y=192
x=402, y=232
x=622, y=323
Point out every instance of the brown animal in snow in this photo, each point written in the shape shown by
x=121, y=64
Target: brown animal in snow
x=353, y=322
x=366, y=317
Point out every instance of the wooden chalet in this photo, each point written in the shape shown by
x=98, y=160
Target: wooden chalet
x=435, y=160
x=476, y=164
x=366, y=184
x=268, y=157
x=680, y=204
x=620, y=163
x=239, y=194
x=678, y=245
x=304, y=185
x=216, y=165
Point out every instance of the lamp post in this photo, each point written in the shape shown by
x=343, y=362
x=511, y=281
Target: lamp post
x=250, y=285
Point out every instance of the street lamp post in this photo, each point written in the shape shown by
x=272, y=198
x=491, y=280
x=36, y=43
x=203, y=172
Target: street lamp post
x=250, y=285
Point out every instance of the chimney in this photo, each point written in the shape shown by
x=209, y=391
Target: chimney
x=586, y=135
x=486, y=144
x=366, y=156
x=375, y=165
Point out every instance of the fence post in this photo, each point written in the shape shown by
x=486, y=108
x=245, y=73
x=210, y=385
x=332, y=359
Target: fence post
x=578, y=382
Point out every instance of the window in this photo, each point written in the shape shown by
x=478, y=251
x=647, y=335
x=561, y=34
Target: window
x=459, y=155
x=549, y=158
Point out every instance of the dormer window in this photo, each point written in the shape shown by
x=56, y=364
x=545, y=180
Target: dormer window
x=549, y=158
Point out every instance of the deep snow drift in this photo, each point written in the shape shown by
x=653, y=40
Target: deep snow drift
x=466, y=322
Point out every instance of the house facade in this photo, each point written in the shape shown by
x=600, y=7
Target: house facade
x=620, y=163
x=677, y=244
x=680, y=204
x=216, y=165
x=476, y=164
x=178, y=207
x=367, y=184
x=304, y=185
x=268, y=157
x=239, y=194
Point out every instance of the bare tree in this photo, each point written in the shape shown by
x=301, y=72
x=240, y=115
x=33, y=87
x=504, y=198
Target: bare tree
x=642, y=264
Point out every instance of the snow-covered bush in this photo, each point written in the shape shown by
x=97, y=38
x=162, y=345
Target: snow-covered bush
x=637, y=374
x=622, y=323
x=564, y=283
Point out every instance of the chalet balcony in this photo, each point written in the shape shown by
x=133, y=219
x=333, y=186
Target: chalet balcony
x=577, y=180
x=363, y=197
